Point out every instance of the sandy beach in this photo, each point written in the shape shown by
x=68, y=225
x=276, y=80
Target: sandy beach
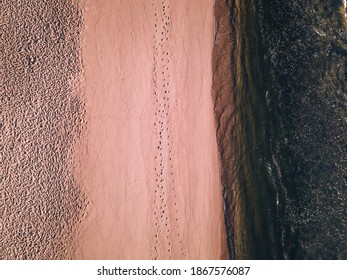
x=107, y=139
x=148, y=159
x=172, y=130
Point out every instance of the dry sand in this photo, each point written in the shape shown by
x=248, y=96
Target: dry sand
x=41, y=116
x=148, y=159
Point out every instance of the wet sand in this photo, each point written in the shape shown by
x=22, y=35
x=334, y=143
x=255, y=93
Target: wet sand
x=148, y=159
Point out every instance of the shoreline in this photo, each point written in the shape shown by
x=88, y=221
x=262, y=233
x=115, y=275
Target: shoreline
x=223, y=95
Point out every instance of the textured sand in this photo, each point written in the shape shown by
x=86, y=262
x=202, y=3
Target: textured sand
x=41, y=116
x=148, y=158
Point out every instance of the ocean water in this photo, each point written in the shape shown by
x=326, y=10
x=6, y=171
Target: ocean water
x=291, y=103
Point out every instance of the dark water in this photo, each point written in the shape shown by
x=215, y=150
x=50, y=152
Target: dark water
x=292, y=110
